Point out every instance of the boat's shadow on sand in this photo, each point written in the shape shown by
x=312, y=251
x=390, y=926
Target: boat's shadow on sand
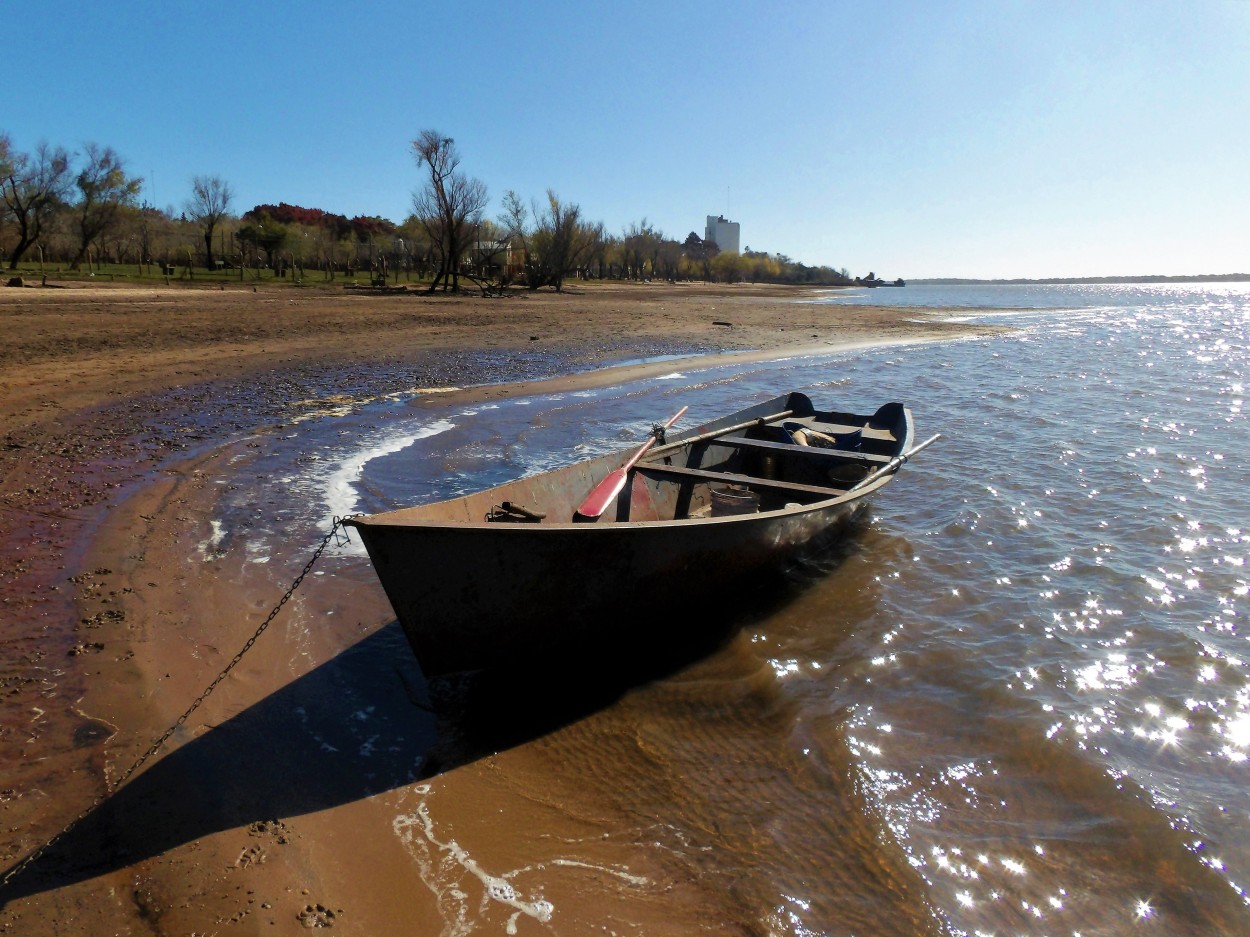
x=363, y=723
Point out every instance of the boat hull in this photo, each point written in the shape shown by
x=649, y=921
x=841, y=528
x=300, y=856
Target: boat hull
x=473, y=599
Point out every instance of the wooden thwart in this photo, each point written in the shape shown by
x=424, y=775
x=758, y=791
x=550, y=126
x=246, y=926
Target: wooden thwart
x=730, y=478
x=742, y=442
x=716, y=433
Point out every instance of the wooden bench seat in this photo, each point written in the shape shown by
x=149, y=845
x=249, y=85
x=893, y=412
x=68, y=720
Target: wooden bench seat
x=729, y=478
x=842, y=429
x=816, y=452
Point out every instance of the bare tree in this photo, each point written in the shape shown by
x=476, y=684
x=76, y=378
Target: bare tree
x=34, y=187
x=103, y=187
x=449, y=206
x=209, y=202
x=514, y=221
x=562, y=241
x=555, y=243
x=7, y=164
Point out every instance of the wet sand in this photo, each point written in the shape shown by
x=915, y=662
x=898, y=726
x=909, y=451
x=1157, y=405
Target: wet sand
x=119, y=410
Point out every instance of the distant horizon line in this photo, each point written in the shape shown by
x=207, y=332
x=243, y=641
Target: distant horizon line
x=1052, y=281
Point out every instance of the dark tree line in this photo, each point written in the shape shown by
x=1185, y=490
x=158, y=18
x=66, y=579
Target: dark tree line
x=75, y=206
x=89, y=190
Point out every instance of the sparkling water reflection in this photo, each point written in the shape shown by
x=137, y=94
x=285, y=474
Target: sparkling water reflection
x=1027, y=679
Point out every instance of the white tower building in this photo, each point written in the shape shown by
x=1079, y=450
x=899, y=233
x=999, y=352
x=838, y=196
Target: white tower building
x=726, y=234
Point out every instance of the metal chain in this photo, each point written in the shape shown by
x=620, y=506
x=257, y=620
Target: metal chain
x=156, y=746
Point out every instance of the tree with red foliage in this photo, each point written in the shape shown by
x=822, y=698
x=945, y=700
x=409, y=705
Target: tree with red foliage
x=308, y=217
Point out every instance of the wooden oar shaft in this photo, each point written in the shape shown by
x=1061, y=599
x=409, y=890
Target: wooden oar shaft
x=601, y=496
x=723, y=431
x=646, y=446
x=895, y=463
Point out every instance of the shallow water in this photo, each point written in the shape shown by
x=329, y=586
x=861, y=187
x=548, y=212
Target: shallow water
x=1017, y=702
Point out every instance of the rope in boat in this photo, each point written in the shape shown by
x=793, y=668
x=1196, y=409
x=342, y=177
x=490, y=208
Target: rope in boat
x=32, y=857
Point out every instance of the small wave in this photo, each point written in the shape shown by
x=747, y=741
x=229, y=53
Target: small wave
x=339, y=489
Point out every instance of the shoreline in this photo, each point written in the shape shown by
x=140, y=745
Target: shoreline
x=131, y=464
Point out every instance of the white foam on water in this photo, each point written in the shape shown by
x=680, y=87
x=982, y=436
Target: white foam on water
x=480, y=408
x=208, y=549
x=443, y=865
x=339, y=489
x=636, y=880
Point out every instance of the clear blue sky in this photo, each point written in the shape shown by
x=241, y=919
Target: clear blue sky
x=991, y=139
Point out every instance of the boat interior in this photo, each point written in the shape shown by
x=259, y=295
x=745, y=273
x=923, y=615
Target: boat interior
x=800, y=459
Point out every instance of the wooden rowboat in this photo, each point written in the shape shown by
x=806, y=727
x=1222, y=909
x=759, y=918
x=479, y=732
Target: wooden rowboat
x=527, y=572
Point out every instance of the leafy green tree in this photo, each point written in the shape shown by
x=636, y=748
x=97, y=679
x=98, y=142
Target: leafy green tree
x=417, y=251
x=605, y=258
x=639, y=247
x=123, y=242
x=758, y=265
x=727, y=267
x=103, y=188
x=34, y=187
x=700, y=253
x=265, y=234
x=667, y=260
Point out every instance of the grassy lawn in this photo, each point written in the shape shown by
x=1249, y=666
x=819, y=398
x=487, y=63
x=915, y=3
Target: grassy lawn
x=152, y=275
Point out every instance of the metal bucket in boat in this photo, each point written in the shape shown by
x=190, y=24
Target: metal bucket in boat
x=848, y=474
x=734, y=499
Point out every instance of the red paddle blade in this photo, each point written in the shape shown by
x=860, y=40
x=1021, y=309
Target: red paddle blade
x=598, y=500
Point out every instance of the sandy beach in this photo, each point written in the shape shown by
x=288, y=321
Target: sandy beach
x=119, y=409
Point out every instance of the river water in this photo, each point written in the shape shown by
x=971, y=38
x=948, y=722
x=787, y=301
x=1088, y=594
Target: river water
x=1016, y=702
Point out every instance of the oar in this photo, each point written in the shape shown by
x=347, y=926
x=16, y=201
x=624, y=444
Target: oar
x=895, y=463
x=601, y=496
x=723, y=431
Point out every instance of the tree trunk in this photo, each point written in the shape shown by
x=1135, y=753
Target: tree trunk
x=18, y=251
x=24, y=240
